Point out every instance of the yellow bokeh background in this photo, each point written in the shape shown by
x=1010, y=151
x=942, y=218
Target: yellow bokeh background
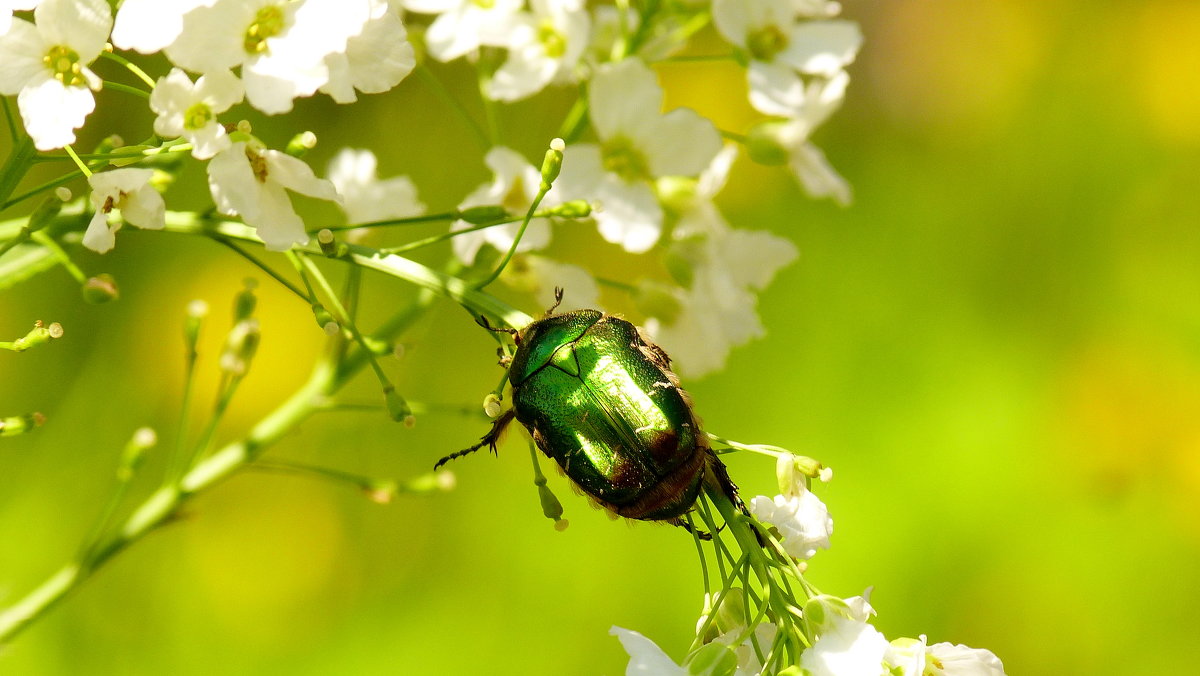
x=996, y=347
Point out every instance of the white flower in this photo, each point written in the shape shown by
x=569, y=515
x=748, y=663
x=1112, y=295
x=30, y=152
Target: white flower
x=365, y=198
x=539, y=276
x=782, y=48
x=190, y=110
x=847, y=647
x=944, y=659
x=129, y=191
x=906, y=656
x=150, y=25
x=7, y=7
x=637, y=145
x=645, y=658
x=374, y=61
x=544, y=47
x=514, y=186
x=45, y=65
x=801, y=518
x=810, y=167
x=280, y=45
x=721, y=269
x=466, y=25
x=253, y=183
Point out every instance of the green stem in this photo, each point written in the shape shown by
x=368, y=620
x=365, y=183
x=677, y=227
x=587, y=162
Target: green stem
x=118, y=87
x=439, y=90
x=267, y=269
x=428, y=241
x=63, y=259
x=412, y=220
x=512, y=250
x=19, y=160
x=141, y=74
x=161, y=506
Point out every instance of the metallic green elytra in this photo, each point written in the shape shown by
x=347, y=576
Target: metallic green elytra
x=603, y=403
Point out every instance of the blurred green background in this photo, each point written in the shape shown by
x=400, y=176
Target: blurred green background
x=997, y=347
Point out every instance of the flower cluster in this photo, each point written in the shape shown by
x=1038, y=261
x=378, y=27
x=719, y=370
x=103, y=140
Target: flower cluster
x=650, y=176
x=769, y=628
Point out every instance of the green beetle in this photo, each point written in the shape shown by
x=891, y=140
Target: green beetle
x=603, y=403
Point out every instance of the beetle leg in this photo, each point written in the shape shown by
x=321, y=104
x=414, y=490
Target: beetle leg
x=490, y=439
x=483, y=321
x=702, y=534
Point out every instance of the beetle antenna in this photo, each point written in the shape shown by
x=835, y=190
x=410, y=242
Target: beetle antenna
x=490, y=439
x=558, y=296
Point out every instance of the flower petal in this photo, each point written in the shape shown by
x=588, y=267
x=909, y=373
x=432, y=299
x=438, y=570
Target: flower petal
x=82, y=25
x=52, y=112
x=21, y=51
x=823, y=47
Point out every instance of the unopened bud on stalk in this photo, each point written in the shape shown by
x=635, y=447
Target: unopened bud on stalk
x=20, y=424
x=135, y=452
x=245, y=301
x=326, y=241
x=766, y=143
x=552, y=163
x=197, y=310
x=573, y=209
x=491, y=405
x=323, y=317
x=240, y=346
x=381, y=492
x=301, y=143
x=38, y=335
x=396, y=405
x=100, y=289
x=483, y=214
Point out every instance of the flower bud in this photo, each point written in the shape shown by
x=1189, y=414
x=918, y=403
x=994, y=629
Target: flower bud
x=245, y=301
x=326, y=241
x=552, y=163
x=676, y=193
x=45, y=212
x=196, y=311
x=323, y=316
x=100, y=289
x=483, y=214
x=135, y=452
x=20, y=424
x=38, y=335
x=240, y=346
x=491, y=405
x=301, y=143
x=732, y=612
x=766, y=144
x=381, y=492
x=397, y=407
x=573, y=209
x=713, y=659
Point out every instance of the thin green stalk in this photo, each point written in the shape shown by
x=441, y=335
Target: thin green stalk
x=449, y=286
x=428, y=241
x=118, y=87
x=13, y=134
x=343, y=317
x=411, y=220
x=512, y=250
x=439, y=90
x=48, y=185
x=267, y=269
x=161, y=506
x=19, y=160
x=63, y=259
x=577, y=118
x=133, y=68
